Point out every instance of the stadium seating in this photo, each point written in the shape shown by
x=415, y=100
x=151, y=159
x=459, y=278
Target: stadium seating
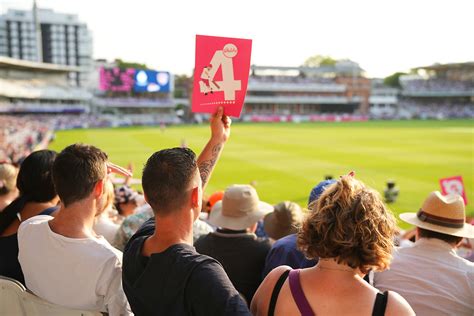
x=16, y=300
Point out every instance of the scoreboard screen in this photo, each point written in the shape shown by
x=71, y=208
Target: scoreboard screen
x=152, y=81
x=137, y=80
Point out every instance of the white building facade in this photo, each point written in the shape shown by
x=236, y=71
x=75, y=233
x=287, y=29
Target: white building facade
x=64, y=39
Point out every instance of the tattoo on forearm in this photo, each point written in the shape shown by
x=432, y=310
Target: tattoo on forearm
x=206, y=166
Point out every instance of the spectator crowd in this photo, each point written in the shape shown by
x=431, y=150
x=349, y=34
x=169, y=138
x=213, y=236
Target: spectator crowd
x=19, y=137
x=408, y=109
x=436, y=85
x=76, y=240
x=436, y=110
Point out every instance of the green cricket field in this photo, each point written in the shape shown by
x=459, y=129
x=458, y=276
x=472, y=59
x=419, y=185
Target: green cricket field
x=284, y=160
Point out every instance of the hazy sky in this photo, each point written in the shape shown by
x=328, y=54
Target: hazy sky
x=382, y=36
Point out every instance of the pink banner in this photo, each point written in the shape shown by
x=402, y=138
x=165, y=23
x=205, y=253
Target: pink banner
x=221, y=74
x=453, y=185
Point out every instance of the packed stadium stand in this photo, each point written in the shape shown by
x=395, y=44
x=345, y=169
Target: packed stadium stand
x=306, y=93
x=113, y=96
x=344, y=94
x=439, y=92
x=35, y=99
x=32, y=87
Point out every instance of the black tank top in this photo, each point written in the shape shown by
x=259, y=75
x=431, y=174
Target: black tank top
x=380, y=303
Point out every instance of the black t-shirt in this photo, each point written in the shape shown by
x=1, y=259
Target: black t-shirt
x=241, y=254
x=177, y=281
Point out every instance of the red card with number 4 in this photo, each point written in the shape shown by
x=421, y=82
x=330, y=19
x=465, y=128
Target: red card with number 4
x=453, y=185
x=221, y=74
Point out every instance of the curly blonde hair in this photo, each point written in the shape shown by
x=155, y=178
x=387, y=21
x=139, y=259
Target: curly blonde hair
x=8, y=174
x=350, y=223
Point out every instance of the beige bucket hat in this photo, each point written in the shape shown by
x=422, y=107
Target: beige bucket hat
x=442, y=214
x=239, y=209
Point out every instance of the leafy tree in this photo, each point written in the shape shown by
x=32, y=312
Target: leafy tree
x=182, y=86
x=319, y=60
x=393, y=80
x=181, y=80
x=127, y=64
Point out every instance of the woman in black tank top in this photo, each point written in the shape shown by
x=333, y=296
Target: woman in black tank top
x=380, y=303
x=351, y=231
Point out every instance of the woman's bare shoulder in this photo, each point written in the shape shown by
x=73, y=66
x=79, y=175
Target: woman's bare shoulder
x=397, y=305
x=261, y=299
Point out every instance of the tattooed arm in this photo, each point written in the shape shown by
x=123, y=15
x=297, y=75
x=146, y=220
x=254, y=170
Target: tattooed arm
x=220, y=132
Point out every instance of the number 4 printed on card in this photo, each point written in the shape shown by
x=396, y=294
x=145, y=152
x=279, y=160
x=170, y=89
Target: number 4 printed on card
x=221, y=59
x=221, y=74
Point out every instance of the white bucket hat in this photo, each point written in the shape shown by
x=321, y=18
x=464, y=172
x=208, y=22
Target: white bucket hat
x=239, y=209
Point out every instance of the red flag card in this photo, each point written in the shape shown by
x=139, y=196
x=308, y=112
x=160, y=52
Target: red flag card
x=221, y=74
x=453, y=185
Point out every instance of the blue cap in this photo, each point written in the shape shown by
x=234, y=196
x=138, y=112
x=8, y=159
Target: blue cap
x=319, y=189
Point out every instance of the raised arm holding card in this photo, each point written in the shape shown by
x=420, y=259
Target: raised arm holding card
x=163, y=273
x=220, y=133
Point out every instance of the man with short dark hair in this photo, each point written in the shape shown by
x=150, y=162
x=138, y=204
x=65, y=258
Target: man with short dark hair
x=163, y=274
x=430, y=275
x=63, y=260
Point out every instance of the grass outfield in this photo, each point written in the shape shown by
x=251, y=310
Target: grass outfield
x=287, y=160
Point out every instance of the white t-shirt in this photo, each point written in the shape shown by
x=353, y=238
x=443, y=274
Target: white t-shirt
x=104, y=226
x=80, y=273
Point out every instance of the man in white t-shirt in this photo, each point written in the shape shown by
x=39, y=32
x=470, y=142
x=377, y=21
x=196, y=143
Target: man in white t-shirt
x=64, y=261
x=430, y=275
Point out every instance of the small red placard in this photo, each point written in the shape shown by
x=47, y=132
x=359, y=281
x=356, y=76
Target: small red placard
x=453, y=185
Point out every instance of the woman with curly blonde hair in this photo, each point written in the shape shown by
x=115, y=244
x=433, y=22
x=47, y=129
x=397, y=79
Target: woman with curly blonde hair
x=351, y=231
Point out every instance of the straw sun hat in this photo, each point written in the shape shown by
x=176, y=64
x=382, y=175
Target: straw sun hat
x=442, y=214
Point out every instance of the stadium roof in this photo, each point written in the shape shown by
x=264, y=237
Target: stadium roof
x=39, y=89
x=12, y=63
x=448, y=66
